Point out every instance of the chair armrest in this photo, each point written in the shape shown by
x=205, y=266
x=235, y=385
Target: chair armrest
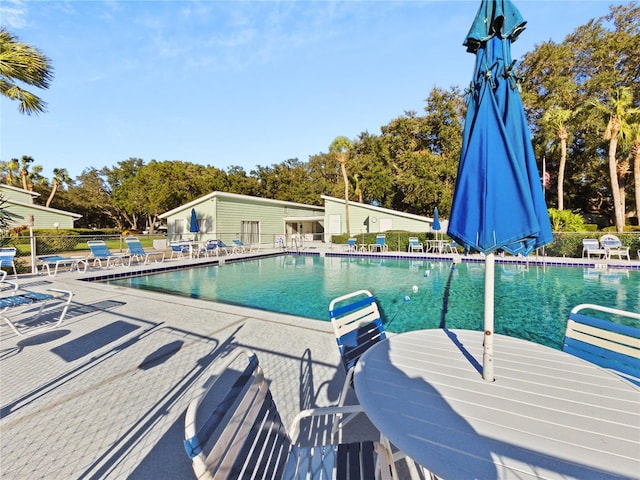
x=321, y=411
x=8, y=285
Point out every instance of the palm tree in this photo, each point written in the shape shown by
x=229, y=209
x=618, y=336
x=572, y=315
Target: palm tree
x=5, y=218
x=10, y=170
x=616, y=112
x=556, y=119
x=60, y=177
x=340, y=146
x=26, y=64
x=24, y=170
x=635, y=154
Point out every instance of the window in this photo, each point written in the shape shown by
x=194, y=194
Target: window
x=179, y=226
x=250, y=232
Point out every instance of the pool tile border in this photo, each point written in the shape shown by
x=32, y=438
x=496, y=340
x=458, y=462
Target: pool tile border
x=153, y=269
x=162, y=268
x=547, y=261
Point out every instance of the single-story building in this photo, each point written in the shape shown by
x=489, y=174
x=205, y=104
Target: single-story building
x=22, y=212
x=253, y=220
x=365, y=218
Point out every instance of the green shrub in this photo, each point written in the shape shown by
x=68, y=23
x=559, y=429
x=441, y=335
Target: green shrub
x=565, y=221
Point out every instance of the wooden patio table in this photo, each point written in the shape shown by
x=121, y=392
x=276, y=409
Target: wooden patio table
x=547, y=415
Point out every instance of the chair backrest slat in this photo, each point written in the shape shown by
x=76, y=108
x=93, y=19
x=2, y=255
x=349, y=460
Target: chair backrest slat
x=244, y=435
x=267, y=452
x=7, y=255
x=610, y=240
x=357, y=325
x=134, y=245
x=605, y=343
x=98, y=248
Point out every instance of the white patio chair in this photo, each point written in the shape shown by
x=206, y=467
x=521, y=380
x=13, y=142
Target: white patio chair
x=591, y=246
x=415, y=245
x=235, y=431
x=20, y=303
x=7, y=257
x=138, y=253
x=613, y=246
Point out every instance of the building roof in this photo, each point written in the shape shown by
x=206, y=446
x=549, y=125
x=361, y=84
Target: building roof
x=18, y=189
x=43, y=208
x=237, y=196
x=381, y=209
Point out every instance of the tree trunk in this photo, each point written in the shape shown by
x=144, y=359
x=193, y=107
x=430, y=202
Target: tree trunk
x=343, y=167
x=562, y=135
x=615, y=187
x=54, y=189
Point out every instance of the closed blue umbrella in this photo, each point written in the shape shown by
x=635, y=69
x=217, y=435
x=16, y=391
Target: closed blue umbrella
x=498, y=202
x=193, y=225
x=435, y=226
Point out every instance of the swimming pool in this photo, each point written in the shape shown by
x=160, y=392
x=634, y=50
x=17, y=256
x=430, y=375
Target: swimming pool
x=531, y=302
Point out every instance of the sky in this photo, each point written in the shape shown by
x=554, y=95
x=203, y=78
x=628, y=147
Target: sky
x=241, y=83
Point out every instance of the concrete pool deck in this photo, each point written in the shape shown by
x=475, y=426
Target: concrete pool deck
x=104, y=395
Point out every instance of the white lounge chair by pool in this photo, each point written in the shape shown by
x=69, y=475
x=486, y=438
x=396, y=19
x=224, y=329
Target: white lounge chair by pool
x=18, y=301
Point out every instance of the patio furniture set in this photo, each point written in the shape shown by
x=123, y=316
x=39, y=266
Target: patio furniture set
x=434, y=246
x=207, y=248
x=549, y=413
x=605, y=248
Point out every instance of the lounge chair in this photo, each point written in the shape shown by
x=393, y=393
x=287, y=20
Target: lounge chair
x=47, y=261
x=138, y=253
x=100, y=252
x=357, y=325
x=210, y=247
x=240, y=247
x=380, y=245
x=608, y=344
x=351, y=245
x=591, y=246
x=178, y=249
x=7, y=257
x=235, y=431
x=19, y=301
x=224, y=247
x=415, y=245
x=613, y=246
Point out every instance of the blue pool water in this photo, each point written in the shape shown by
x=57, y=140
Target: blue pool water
x=530, y=302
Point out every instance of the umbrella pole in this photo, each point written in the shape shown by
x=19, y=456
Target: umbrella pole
x=489, y=288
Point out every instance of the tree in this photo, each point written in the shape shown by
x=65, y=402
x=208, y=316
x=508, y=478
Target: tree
x=10, y=171
x=5, y=218
x=20, y=62
x=634, y=130
x=25, y=161
x=356, y=178
x=340, y=147
x=616, y=111
x=591, y=62
x=241, y=183
x=90, y=197
x=555, y=119
x=60, y=177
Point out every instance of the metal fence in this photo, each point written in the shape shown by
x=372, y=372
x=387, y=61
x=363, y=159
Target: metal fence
x=31, y=247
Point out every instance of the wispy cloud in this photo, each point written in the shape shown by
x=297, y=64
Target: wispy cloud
x=235, y=36
x=14, y=14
